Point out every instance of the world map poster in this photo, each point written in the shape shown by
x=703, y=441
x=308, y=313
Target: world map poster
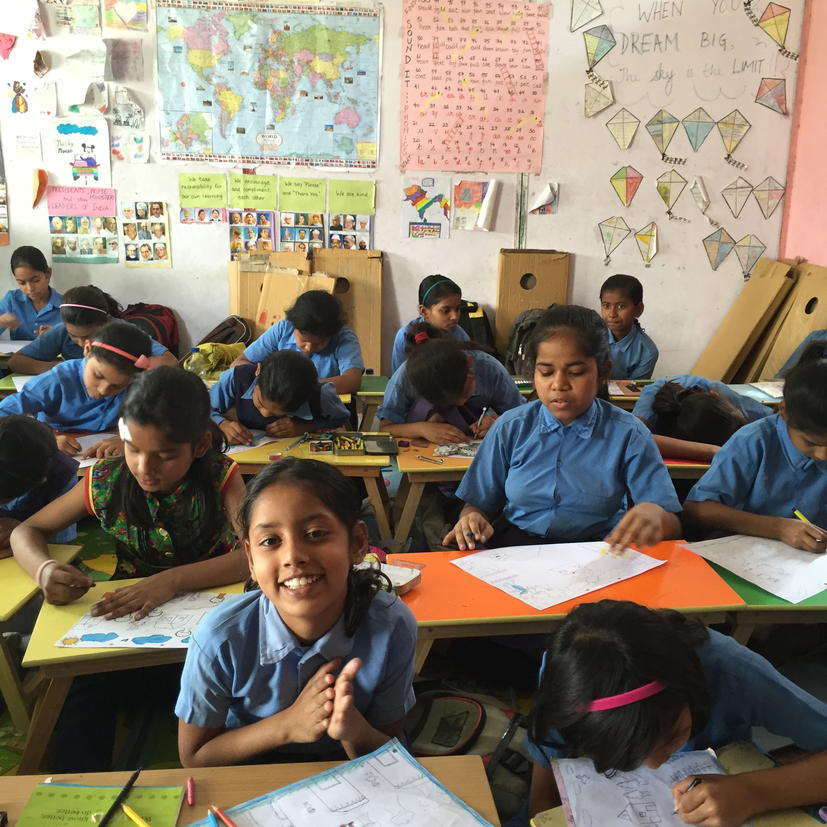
x=268, y=83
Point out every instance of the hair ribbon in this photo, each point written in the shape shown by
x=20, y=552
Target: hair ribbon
x=626, y=698
x=142, y=362
x=421, y=337
x=435, y=284
x=85, y=307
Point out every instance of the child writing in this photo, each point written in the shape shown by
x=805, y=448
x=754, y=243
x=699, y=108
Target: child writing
x=282, y=396
x=442, y=390
x=34, y=305
x=627, y=686
x=569, y=466
x=83, y=311
x=772, y=468
x=86, y=394
x=633, y=353
x=693, y=417
x=315, y=326
x=320, y=660
x=439, y=304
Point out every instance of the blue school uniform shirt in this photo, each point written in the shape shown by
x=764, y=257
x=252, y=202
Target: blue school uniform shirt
x=59, y=398
x=17, y=302
x=398, y=355
x=760, y=470
x=494, y=388
x=342, y=352
x=796, y=354
x=56, y=342
x=745, y=690
x=750, y=408
x=244, y=665
x=633, y=356
x=567, y=483
x=234, y=389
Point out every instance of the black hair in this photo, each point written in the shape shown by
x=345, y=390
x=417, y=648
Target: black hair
x=628, y=285
x=333, y=489
x=814, y=351
x=805, y=397
x=28, y=256
x=288, y=378
x=606, y=648
x=694, y=414
x=318, y=313
x=436, y=287
x=27, y=449
x=587, y=327
x=91, y=296
x=124, y=336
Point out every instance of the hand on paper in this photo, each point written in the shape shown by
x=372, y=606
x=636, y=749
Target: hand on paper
x=641, y=525
x=802, y=535
x=41, y=329
x=7, y=525
x=67, y=444
x=65, y=584
x=235, y=432
x=441, y=433
x=485, y=426
x=9, y=320
x=285, y=426
x=720, y=801
x=471, y=528
x=309, y=715
x=138, y=600
x=110, y=447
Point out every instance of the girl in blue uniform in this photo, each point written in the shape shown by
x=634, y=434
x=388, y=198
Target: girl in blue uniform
x=442, y=389
x=315, y=326
x=34, y=304
x=83, y=311
x=440, y=300
x=634, y=354
x=86, y=394
x=568, y=466
x=281, y=396
x=772, y=468
x=316, y=664
x=627, y=686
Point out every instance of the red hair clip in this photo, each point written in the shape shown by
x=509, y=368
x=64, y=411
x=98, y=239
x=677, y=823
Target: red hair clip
x=421, y=337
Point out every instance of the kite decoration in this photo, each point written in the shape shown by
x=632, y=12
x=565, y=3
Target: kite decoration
x=670, y=186
x=772, y=93
x=701, y=198
x=718, y=246
x=626, y=182
x=749, y=249
x=613, y=231
x=599, y=41
x=732, y=128
x=598, y=97
x=698, y=125
x=662, y=127
x=647, y=242
x=736, y=195
x=623, y=127
x=768, y=194
x=583, y=12
x=775, y=21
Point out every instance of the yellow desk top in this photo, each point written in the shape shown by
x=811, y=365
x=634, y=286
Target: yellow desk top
x=54, y=621
x=260, y=455
x=18, y=588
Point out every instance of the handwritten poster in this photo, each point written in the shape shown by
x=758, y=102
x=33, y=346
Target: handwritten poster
x=307, y=195
x=473, y=85
x=255, y=192
x=76, y=151
x=200, y=189
x=353, y=196
x=82, y=224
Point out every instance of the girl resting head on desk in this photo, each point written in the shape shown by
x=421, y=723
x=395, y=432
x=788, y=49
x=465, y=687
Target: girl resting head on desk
x=628, y=687
x=567, y=466
x=170, y=502
x=318, y=654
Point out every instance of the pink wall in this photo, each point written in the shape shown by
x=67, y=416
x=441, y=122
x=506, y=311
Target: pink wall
x=804, y=230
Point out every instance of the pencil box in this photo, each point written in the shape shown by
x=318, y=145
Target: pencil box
x=348, y=443
x=380, y=445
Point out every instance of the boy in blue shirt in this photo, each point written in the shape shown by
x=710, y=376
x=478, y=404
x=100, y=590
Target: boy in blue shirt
x=634, y=354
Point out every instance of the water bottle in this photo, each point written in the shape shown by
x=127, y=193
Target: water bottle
x=197, y=364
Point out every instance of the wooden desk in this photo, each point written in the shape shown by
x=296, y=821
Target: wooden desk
x=450, y=603
x=464, y=775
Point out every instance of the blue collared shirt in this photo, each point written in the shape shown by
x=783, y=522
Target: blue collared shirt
x=59, y=398
x=494, y=389
x=244, y=665
x=342, y=352
x=759, y=470
x=796, y=354
x=398, y=355
x=745, y=690
x=750, y=408
x=17, y=302
x=633, y=356
x=56, y=342
x=567, y=483
x=333, y=412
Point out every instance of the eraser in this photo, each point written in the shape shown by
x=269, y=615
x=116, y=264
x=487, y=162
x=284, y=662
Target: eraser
x=273, y=457
x=403, y=443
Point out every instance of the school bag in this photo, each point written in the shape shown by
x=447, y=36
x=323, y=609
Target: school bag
x=474, y=321
x=516, y=361
x=156, y=321
x=230, y=331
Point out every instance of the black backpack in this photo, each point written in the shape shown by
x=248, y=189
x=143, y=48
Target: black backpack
x=516, y=362
x=229, y=332
x=473, y=320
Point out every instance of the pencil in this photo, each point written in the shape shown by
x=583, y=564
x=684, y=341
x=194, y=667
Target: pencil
x=222, y=816
x=107, y=816
x=133, y=816
x=694, y=783
x=482, y=416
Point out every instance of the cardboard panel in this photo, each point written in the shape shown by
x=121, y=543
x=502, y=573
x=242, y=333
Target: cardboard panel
x=528, y=279
x=280, y=291
x=746, y=321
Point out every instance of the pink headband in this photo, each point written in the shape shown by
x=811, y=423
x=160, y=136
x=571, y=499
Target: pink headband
x=141, y=361
x=86, y=307
x=626, y=698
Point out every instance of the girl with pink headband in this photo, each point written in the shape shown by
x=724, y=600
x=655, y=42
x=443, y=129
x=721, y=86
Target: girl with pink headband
x=627, y=687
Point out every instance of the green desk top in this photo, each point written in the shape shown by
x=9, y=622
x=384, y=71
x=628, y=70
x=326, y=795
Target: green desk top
x=6, y=384
x=373, y=384
x=755, y=596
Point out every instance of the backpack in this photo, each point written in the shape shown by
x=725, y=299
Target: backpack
x=157, y=321
x=516, y=362
x=473, y=320
x=231, y=331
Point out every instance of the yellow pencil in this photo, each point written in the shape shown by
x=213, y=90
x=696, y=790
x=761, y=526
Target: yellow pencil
x=133, y=816
x=801, y=516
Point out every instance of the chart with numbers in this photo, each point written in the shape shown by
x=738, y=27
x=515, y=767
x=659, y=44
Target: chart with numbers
x=473, y=79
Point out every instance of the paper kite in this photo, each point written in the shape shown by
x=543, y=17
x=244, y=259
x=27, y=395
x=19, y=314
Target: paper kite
x=613, y=231
x=749, y=249
x=775, y=21
x=670, y=186
x=662, y=127
x=599, y=96
x=583, y=12
x=701, y=198
x=626, y=182
x=599, y=41
x=718, y=246
x=772, y=93
x=736, y=195
x=623, y=127
x=647, y=242
x=698, y=125
x=768, y=194
x=733, y=127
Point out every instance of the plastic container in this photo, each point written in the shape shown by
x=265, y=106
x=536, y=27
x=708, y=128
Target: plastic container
x=197, y=364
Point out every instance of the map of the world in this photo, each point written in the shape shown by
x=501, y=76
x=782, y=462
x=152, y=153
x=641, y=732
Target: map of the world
x=266, y=83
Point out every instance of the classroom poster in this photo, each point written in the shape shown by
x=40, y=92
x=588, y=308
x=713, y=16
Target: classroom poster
x=251, y=231
x=76, y=151
x=426, y=206
x=202, y=215
x=4, y=205
x=348, y=231
x=474, y=204
x=76, y=16
x=300, y=231
x=125, y=14
x=255, y=192
x=82, y=226
x=145, y=234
